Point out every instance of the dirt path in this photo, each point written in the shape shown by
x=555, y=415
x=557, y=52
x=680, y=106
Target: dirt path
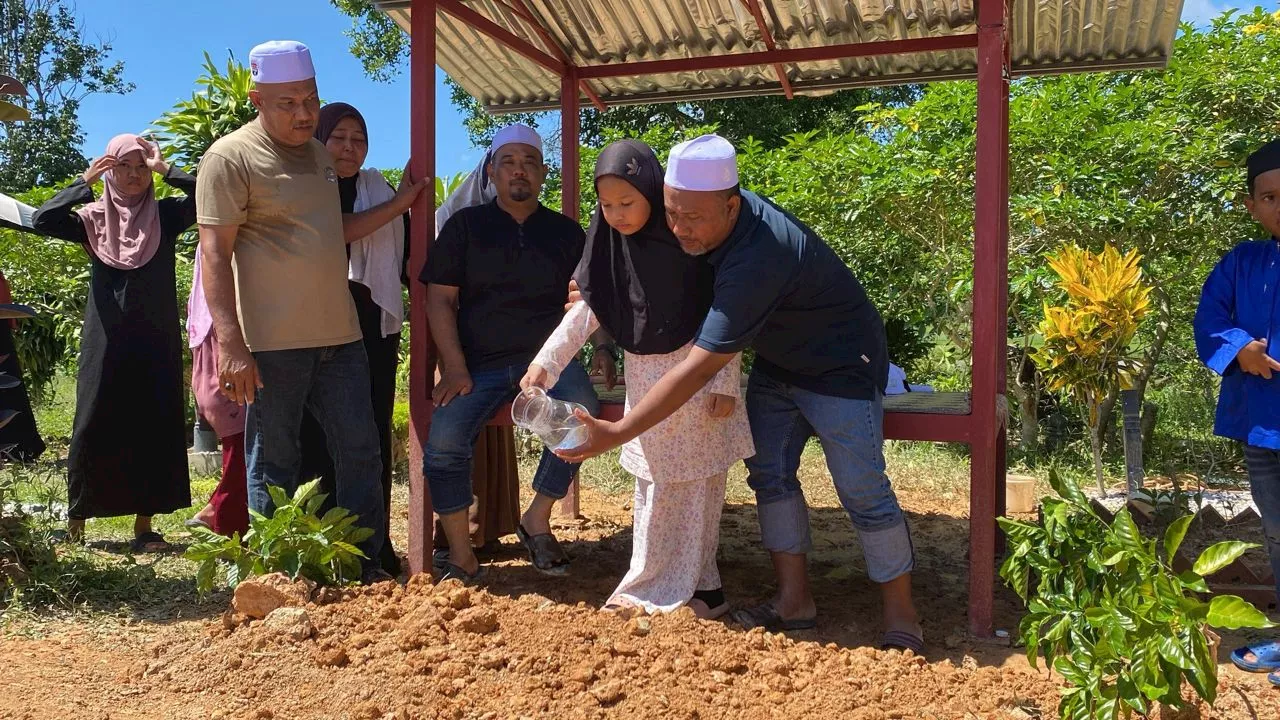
x=532, y=646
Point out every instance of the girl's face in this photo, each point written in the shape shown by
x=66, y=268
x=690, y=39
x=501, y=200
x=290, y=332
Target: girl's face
x=131, y=174
x=624, y=207
x=349, y=147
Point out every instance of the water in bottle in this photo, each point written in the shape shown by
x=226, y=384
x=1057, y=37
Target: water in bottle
x=553, y=421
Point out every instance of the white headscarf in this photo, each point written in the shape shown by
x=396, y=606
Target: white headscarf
x=474, y=190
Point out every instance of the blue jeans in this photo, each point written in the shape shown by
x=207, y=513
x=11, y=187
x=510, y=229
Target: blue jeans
x=333, y=384
x=446, y=460
x=783, y=418
x=1264, y=484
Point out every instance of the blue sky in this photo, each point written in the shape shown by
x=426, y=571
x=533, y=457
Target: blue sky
x=162, y=44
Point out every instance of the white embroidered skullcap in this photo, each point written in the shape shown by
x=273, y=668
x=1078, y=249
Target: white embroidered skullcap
x=705, y=163
x=281, y=61
x=516, y=133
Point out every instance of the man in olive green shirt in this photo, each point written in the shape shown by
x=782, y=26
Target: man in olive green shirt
x=275, y=278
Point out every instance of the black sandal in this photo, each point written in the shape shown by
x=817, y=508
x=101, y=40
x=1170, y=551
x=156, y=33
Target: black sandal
x=453, y=572
x=150, y=542
x=545, y=552
x=903, y=641
x=767, y=617
x=715, y=601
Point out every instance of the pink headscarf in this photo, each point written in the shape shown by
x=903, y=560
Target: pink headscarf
x=123, y=230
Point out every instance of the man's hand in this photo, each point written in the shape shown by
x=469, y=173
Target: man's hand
x=601, y=438
x=603, y=364
x=237, y=373
x=151, y=155
x=98, y=168
x=1253, y=359
x=720, y=406
x=536, y=376
x=575, y=295
x=408, y=192
x=451, y=385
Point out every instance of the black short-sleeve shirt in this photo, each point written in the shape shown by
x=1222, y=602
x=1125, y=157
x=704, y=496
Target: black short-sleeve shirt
x=782, y=291
x=512, y=279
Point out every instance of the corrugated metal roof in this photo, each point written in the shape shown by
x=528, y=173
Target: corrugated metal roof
x=1046, y=36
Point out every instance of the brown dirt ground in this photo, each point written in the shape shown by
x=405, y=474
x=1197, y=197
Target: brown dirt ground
x=531, y=646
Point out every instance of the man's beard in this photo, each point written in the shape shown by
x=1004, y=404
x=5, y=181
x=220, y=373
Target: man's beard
x=520, y=194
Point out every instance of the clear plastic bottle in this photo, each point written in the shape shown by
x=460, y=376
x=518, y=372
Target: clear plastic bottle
x=551, y=420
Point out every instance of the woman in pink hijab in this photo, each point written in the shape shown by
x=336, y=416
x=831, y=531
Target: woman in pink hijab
x=128, y=446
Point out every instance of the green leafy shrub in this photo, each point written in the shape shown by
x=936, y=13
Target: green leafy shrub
x=1109, y=614
x=293, y=541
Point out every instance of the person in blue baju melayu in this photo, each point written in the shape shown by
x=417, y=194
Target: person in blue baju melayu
x=1237, y=332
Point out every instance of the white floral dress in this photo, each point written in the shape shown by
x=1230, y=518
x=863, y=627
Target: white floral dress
x=680, y=466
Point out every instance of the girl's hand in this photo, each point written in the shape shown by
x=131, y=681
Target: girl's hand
x=536, y=376
x=98, y=168
x=152, y=157
x=720, y=406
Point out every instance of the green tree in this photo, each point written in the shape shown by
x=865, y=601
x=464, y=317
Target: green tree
x=43, y=46
x=219, y=106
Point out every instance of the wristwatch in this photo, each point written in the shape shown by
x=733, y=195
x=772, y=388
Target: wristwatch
x=612, y=350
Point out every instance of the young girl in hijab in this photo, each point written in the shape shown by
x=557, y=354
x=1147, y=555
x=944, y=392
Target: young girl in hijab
x=651, y=297
x=128, y=446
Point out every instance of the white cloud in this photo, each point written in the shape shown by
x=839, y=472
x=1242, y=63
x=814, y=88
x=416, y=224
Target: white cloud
x=1200, y=12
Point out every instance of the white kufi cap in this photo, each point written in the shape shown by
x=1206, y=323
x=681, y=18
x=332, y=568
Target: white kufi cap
x=705, y=164
x=516, y=133
x=281, y=61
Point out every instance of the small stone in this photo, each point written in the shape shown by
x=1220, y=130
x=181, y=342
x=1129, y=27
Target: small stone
x=969, y=663
x=608, y=693
x=478, y=620
x=460, y=599
x=293, y=622
x=639, y=626
x=257, y=597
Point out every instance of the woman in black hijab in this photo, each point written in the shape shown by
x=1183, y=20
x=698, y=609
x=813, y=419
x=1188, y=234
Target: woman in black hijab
x=378, y=252
x=651, y=298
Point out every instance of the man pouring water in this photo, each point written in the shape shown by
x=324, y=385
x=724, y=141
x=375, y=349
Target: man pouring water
x=496, y=279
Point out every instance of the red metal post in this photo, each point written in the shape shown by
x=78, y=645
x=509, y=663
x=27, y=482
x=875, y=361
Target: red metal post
x=990, y=287
x=421, y=349
x=753, y=6
x=569, y=169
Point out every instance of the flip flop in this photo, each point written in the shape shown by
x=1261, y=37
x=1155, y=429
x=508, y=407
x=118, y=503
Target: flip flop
x=453, y=572
x=902, y=640
x=194, y=523
x=715, y=601
x=150, y=542
x=1266, y=657
x=545, y=552
x=767, y=617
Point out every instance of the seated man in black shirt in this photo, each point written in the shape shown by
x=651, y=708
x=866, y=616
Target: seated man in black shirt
x=495, y=291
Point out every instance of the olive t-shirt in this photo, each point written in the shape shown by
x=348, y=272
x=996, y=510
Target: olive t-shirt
x=290, y=257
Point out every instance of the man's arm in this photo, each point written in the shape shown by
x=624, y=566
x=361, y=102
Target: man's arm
x=236, y=366
x=442, y=313
x=669, y=394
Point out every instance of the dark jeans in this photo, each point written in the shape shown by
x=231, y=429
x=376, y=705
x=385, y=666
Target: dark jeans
x=1264, y=483
x=384, y=358
x=333, y=384
x=455, y=427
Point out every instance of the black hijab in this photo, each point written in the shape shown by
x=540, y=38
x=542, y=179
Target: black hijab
x=332, y=114
x=647, y=293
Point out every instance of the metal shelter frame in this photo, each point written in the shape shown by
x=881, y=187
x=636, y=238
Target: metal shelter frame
x=983, y=428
